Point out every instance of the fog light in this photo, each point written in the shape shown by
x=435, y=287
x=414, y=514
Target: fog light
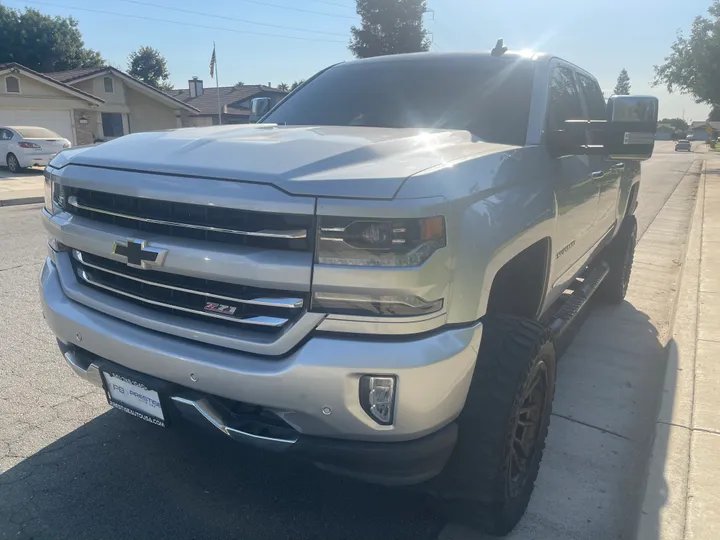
x=377, y=398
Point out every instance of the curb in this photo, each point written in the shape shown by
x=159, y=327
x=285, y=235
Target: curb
x=664, y=495
x=21, y=200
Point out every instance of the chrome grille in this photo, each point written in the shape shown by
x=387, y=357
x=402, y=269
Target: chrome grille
x=212, y=223
x=227, y=304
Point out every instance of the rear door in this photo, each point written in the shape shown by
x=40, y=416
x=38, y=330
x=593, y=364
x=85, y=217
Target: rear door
x=576, y=192
x=605, y=172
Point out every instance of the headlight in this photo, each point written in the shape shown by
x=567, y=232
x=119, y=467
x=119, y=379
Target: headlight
x=378, y=242
x=54, y=194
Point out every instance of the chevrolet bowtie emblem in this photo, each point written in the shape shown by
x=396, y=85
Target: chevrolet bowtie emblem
x=138, y=254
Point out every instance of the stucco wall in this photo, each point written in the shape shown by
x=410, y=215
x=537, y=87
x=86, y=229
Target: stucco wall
x=30, y=87
x=147, y=114
x=37, y=95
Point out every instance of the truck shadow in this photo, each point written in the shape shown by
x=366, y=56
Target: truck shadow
x=117, y=477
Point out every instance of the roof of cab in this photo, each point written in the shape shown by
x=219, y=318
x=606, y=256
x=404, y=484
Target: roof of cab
x=451, y=56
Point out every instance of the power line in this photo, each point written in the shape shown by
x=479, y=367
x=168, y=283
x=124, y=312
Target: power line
x=190, y=11
x=168, y=21
x=333, y=4
x=325, y=14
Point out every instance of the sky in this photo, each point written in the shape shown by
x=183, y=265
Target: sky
x=273, y=41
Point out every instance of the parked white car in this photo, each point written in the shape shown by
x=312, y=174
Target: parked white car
x=27, y=146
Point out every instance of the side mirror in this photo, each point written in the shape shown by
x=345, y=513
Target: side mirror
x=631, y=126
x=628, y=133
x=258, y=108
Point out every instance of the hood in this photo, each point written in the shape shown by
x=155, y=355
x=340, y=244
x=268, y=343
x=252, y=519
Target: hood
x=356, y=162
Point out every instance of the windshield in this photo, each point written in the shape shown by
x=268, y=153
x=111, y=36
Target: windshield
x=37, y=133
x=490, y=97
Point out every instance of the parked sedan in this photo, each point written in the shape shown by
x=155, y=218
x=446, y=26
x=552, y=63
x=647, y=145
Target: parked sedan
x=683, y=145
x=25, y=146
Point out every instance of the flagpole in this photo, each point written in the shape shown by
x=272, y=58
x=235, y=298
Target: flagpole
x=217, y=87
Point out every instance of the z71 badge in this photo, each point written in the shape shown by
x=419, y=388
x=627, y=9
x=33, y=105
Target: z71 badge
x=220, y=308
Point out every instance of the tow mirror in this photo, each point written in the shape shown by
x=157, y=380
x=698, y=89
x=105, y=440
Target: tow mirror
x=258, y=108
x=631, y=126
x=628, y=133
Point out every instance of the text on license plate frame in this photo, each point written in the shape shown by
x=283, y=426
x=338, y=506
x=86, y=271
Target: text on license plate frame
x=133, y=397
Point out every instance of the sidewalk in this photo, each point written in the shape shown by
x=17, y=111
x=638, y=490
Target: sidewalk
x=25, y=188
x=682, y=496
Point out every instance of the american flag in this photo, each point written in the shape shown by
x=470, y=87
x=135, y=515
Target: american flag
x=212, y=62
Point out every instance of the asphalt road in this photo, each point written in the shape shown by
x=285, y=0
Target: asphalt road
x=70, y=467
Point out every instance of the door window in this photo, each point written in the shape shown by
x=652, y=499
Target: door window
x=593, y=97
x=595, y=103
x=5, y=135
x=563, y=99
x=112, y=125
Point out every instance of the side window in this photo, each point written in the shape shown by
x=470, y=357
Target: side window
x=593, y=97
x=5, y=135
x=563, y=99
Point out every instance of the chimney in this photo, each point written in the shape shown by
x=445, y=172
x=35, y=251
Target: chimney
x=269, y=85
x=196, y=87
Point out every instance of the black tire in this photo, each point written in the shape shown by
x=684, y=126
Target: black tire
x=619, y=255
x=13, y=164
x=487, y=484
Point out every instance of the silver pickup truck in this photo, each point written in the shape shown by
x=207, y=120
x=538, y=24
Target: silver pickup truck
x=373, y=279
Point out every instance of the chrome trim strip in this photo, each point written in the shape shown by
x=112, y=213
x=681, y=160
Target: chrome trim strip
x=291, y=235
x=90, y=374
x=275, y=322
x=208, y=412
x=267, y=302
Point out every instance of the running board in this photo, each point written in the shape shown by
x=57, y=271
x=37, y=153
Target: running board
x=561, y=320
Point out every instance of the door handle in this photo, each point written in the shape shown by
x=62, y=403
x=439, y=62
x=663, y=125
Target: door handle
x=596, y=175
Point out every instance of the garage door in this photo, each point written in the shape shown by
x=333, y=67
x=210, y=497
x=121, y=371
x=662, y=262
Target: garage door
x=57, y=121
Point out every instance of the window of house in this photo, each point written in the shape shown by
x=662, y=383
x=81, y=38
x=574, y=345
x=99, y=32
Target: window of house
x=112, y=125
x=109, y=86
x=563, y=100
x=12, y=85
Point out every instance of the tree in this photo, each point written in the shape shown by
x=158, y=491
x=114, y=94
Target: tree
x=692, y=65
x=622, y=88
x=42, y=42
x=294, y=85
x=283, y=86
x=149, y=66
x=678, y=124
x=714, y=114
x=389, y=27
x=239, y=83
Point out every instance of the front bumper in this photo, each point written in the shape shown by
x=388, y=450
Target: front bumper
x=314, y=389
x=399, y=463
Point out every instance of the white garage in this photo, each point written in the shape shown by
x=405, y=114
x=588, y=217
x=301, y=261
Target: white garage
x=59, y=121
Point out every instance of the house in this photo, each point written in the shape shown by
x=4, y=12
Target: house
x=88, y=104
x=234, y=101
x=698, y=130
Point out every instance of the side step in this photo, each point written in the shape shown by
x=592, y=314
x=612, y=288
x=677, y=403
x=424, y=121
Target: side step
x=562, y=318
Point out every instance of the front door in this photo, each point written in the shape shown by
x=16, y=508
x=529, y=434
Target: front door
x=606, y=172
x=576, y=190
